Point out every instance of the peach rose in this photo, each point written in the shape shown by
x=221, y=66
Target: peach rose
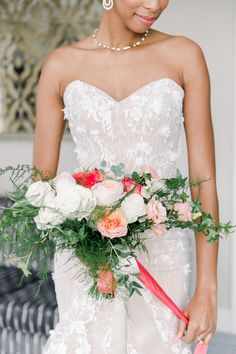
x=106, y=282
x=159, y=229
x=129, y=184
x=184, y=211
x=156, y=211
x=113, y=225
x=107, y=191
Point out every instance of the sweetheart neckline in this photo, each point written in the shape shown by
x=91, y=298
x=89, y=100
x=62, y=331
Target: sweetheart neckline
x=127, y=97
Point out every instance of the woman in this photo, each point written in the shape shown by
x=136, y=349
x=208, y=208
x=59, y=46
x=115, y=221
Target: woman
x=126, y=90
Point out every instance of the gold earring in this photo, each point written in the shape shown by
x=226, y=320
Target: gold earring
x=107, y=4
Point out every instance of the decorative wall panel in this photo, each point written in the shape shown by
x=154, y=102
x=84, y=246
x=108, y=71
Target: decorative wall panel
x=29, y=30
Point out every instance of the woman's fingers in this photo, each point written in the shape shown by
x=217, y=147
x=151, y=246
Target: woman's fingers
x=190, y=334
x=181, y=331
x=205, y=336
x=196, y=333
x=208, y=337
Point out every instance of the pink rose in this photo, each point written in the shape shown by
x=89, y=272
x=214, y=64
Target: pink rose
x=156, y=211
x=184, y=211
x=107, y=191
x=159, y=229
x=129, y=184
x=150, y=170
x=113, y=225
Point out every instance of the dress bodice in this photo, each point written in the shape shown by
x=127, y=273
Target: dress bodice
x=142, y=129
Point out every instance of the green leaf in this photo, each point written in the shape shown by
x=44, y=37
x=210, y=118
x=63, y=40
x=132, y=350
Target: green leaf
x=131, y=286
x=23, y=266
x=119, y=247
x=211, y=235
x=125, y=254
x=136, y=176
x=131, y=291
x=120, y=280
x=137, y=285
x=82, y=233
x=135, y=274
x=126, y=277
x=137, y=291
x=178, y=173
x=117, y=170
x=103, y=163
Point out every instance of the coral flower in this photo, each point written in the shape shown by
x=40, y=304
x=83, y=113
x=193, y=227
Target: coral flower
x=106, y=282
x=129, y=184
x=89, y=178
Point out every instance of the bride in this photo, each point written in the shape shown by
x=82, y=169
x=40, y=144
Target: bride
x=127, y=91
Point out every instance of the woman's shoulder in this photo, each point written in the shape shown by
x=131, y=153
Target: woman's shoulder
x=176, y=43
x=60, y=62
x=180, y=51
x=59, y=57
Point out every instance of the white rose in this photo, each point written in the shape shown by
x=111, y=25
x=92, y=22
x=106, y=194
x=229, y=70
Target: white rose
x=48, y=217
x=75, y=201
x=157, y=183
x=107, y=191
x=88, y=202
x=63, y=180
x=152, y=186
x=39, y=193
x=145, y=192
x=133, y=207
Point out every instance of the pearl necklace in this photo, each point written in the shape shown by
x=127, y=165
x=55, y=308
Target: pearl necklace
x=135, y=44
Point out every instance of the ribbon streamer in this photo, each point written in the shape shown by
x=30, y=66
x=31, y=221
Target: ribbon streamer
x=151, y=284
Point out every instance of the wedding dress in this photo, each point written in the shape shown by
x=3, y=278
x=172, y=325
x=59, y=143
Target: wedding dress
x=141, y=129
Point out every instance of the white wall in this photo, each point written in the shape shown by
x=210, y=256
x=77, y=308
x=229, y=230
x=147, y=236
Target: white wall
x=17, y=149
x=233, y=243
x=211, y=24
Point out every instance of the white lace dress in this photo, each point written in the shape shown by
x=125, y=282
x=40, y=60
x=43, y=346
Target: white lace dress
x=142, y=129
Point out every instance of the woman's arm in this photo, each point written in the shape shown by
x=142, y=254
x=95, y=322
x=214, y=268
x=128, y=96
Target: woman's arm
x=201, y=159
x=49, y=116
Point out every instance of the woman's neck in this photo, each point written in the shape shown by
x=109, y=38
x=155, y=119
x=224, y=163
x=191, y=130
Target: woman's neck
x=112, y=31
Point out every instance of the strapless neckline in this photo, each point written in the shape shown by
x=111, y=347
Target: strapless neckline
x=111, y=98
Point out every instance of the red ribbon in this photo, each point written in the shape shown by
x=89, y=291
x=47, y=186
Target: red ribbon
x=152, y=285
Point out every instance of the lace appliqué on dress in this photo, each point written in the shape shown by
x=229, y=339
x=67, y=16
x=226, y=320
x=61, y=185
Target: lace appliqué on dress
x=143, y=129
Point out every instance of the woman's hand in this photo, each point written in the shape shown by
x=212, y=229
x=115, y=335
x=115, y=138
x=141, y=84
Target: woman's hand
x=202, y=314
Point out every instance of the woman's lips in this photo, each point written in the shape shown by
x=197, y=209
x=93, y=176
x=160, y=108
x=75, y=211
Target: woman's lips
x=146, y=20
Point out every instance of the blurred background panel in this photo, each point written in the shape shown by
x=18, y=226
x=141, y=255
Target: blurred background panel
x=29, y=30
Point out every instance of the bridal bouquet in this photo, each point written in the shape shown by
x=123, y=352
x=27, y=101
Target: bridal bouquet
x=99, y=215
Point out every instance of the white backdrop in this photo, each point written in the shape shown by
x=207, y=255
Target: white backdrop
x=211, y=24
